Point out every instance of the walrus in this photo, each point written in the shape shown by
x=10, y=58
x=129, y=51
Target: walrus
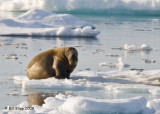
x=56, y=62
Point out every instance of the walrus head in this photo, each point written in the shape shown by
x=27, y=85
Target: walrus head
x=72, y=56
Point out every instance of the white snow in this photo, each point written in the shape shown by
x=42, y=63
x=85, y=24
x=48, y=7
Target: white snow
x=82, y=105
x=56, y=5
x=38, y=22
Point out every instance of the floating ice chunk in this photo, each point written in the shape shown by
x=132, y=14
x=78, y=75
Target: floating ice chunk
x=133, y=47
x=16, y=44
x=103, y=64
x=91, y=80
x=145, y=47
x=38, y=22
x=112, y=65
x=137, y=70
x=149, y=60
x=112, y=55
x=155, y=105
x=36, y=17
x=84, y=105
x=112, y=82
x=11, y=56
x=130, y=47
x=15, y=93
x=52, y=102
x=90, y=105
x=35, y=14
x=53, y=83
x=155, y=91
x=121, y=64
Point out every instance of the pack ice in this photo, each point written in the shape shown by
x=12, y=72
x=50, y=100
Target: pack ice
x=115, y=82
x=38, y=22
x=61, y=104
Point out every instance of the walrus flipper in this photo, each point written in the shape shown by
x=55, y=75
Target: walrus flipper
x=59, y=69
x=68, y=72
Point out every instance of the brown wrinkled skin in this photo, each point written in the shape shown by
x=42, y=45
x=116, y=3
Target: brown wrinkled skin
x=57, y=62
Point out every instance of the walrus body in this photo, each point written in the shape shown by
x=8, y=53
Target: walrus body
x=57, y=62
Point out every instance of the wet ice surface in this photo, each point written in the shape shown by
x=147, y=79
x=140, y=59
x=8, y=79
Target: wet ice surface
x=91, y=80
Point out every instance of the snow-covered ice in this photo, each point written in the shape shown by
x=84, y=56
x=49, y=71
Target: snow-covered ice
x=38, y=22
x=129, y=82
x=82, y=105
x=91, y=80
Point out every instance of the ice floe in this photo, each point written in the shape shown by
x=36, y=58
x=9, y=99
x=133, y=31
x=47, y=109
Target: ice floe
x=113, y=82
x=133, y=47
x=119, y=65
x=154, y=105
x=38, y=22
x=82, y=105
x=103, y=64
x=90, y=80
x=11, y=56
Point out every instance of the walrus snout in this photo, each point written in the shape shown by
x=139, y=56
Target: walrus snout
x=74, y=57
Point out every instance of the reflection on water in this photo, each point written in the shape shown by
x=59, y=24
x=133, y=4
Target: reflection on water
x=141, y=52
x=37, y=98
x=58, y=41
